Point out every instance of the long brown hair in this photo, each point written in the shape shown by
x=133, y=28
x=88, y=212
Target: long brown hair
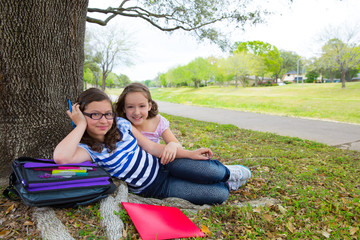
x=135, y=87
x=113, y=135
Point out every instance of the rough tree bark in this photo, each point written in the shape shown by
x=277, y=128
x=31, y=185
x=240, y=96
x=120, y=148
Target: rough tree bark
x=41, y=65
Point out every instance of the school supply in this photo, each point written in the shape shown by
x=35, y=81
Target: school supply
x=42, y=182
x=161, y=222
x=70, y=108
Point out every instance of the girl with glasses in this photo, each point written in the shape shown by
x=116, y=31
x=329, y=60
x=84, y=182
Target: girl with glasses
x=126, y=154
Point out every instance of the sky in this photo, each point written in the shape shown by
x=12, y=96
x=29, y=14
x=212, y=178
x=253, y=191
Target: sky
x=299, y=27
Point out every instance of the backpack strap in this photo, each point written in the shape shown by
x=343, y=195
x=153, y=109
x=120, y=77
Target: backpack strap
x=10, y=192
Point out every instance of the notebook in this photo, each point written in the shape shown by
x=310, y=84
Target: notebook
x=160, y=222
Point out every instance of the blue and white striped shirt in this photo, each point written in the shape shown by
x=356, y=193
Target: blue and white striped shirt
x=128, y=162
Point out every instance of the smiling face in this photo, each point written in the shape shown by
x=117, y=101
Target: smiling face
x=98, y=128
x=136, y=108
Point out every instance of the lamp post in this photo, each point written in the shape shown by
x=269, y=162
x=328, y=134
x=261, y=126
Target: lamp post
x=297, y=77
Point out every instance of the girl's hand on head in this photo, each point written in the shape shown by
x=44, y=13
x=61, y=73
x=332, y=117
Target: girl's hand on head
x=169, y=153
x=76, y=115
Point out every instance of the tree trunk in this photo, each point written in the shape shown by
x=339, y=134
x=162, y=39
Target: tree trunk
x=103, y=81
x=41, y=66
x=331, y=76
x=343, y=74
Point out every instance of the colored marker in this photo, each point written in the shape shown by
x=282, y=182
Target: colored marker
x=70, y=107
x=69, y=170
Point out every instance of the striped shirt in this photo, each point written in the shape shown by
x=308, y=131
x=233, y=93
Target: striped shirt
x=128, y=162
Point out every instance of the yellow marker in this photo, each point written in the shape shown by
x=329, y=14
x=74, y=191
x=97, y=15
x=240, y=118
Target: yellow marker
x=69, y=170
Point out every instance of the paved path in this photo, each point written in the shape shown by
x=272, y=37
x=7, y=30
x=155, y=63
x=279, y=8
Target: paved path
x=341, y=135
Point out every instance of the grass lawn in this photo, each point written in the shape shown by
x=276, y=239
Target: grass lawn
x=317, y=188
x=322, y=101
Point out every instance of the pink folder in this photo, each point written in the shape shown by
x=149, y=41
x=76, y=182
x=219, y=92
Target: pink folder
x=160, y=222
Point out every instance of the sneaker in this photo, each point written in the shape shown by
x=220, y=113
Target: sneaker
x=235, y=185
x=238, y=173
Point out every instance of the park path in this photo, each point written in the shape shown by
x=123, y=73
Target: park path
x=342, y=135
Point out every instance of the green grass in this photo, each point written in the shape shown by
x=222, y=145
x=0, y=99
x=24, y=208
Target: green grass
x=321, y=101
x=316, y=186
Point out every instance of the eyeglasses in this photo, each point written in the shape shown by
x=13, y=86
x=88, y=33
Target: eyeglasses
x=98, y=116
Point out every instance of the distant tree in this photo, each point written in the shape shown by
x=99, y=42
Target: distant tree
x=162, y=78
x=238, y=67
x=147, y=83
x=109, y=46
x=198, y=71
x=123, y=80
x=213, y=69
x=88, y=77
x=92, y=62
x=267, y=52
x=178, y=76
x=341, y=51
x=289, y=61
x=112, y=80
x=258, y=68
x=311, y=76
x=341, y=56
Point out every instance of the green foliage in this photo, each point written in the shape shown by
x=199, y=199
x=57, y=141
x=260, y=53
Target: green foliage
x=198, y=70
x=311, y=76
x=238, y=67
x=341, y=56
x=289, y=61
x=123, y=80
x=89, y=76
x=163, y=80
x=267, y=53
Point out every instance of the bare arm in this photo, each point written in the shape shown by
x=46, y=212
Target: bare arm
x=156, y=149
x=172, y=145
x=168, y=137
x=68, y=151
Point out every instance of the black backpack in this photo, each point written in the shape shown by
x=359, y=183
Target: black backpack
x=42, y=182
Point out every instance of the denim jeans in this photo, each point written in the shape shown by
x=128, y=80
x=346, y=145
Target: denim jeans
x=198, y=181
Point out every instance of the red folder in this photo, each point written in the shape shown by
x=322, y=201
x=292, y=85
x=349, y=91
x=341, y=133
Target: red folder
x=160, y=222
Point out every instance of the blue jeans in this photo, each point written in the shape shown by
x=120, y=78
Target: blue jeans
x=198, y=181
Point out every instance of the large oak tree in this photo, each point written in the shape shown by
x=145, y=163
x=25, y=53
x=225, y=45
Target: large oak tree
x=42, y=58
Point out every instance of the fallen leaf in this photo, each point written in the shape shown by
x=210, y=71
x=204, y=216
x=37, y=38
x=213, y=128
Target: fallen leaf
x=353, y=230
x=4, y=233
x=257, y=210
x=290, y=227
x=269, y=204
x=10, y=209
x=325, y=234
x=268, y=218
x=282, y=209
x=28, y=223
x=124, y=233
x=205, y=229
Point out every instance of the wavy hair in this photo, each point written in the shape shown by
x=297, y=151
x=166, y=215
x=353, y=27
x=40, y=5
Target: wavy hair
x=113, y=135
x=135, y=87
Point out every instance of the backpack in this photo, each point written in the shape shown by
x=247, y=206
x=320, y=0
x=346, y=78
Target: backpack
x=42, y=182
